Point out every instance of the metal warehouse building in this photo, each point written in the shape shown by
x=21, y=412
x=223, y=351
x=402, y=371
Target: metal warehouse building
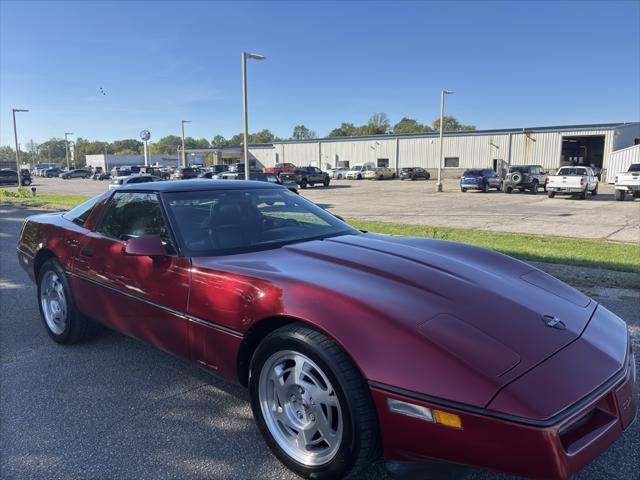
x=550, y=147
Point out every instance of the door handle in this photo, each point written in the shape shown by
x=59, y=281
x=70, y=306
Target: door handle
x=86, y=251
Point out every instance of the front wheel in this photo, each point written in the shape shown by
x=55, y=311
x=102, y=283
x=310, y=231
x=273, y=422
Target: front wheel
x=312, y=405
x=485, y=188
x=26, y=182
x=508, y=190
x=64, y=323
x=534, y=188
x=326, y=182
x=595, y=191
x=303, y=184
x=551, y=194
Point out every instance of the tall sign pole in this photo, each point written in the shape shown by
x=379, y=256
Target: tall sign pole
x=145, y=135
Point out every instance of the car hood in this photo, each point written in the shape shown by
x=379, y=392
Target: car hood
x=486, y=311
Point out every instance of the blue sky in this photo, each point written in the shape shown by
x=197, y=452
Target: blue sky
x=511, y=64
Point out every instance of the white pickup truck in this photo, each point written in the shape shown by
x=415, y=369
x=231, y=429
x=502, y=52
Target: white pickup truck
x=571, y=181
x=628, y=182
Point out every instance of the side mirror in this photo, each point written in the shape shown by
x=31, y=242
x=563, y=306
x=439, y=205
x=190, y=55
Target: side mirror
x=145, y=246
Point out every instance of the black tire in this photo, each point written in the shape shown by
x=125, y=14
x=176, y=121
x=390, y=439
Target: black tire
x=636, y=194
x=499, y=188
x=303, y=183
x=583, y=195
x=595, y=191
x=380, y=177
x=427, y=176
x=360, y=444
x=618, y=195
x=508, y=190
x=326, y=182
x=551, y=194
x=463, y=190
x=26, y=182
x=359, y=177
x=534, y=188
x=393, y=177
x=485, y=188
x=516, y=178
x=78, y=327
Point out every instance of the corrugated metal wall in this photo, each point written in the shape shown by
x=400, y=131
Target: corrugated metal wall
x=620, y=160
x=472, y=150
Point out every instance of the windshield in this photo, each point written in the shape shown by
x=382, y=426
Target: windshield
x=473, y=173
x=222, y=222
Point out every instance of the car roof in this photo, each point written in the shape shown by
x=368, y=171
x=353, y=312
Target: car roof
x=198, y=185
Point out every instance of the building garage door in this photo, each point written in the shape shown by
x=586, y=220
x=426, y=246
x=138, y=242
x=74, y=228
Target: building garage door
x=579, y=150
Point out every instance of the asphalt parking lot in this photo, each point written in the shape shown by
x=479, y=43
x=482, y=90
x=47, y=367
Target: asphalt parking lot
x=417, y=202
x=115, y=408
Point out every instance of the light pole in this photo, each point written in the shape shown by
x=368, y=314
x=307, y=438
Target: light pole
x=15, y=135
x=145, y=135
x=440, y=157
x=66, y=147
x=252, y=56
x=184, y=156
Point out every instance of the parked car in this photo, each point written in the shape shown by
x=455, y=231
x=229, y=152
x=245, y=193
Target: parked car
x=280, y=168
x=525, y=177
x=51, y=172
x=572, y=180
x=627, y=183
x=10, y=177
x=309, y=176
x=214, y=171
x=185, y=173
x=380, y=173
x=347, y=341
x=132, y=179
x=76, y=173
x=156, y=171
x=337, y=173
x=480, y=179
x=121, y=171
x=357, y=171
x=414, y=173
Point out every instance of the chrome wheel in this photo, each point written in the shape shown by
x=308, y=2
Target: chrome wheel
x=300, y=408
x=54, y=302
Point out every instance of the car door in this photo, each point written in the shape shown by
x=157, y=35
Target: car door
x=141, y=296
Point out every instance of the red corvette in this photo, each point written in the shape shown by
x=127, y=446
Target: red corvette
x=353, y=345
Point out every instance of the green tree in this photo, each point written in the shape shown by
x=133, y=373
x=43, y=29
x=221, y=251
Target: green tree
x=7, y=154
x=52, y=151
x=167, y=145
x=129, y=145
x=344, y=130
x=300, y=132
x=409, y=125
x=451, y=124
x=219, y=141
x=263, y=136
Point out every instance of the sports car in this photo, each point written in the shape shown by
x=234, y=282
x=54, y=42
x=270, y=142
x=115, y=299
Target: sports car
x=353, y=345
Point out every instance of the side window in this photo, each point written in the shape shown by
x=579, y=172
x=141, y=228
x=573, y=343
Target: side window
x=134, y=214
x=79, y=214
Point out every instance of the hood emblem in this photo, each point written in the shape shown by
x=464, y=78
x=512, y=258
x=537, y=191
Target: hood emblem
x=553, y=322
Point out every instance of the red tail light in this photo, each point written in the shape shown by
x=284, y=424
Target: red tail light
x=582, y=181
x=615, y=180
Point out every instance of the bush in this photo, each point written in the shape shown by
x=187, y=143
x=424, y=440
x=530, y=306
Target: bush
x=23, y=192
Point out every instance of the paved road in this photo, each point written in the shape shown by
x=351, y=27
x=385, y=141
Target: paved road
x=417, y=203
x=115, y=408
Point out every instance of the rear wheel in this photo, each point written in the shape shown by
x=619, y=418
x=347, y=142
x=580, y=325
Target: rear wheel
x=551, y=194
x=485, y=188
x=508, y=190
x=64, y=323
x=303, y=183
x=26, y=182
x=594, y=191
x=618, y=195
x=326, y=182
x=583, y=195
x=534, y=188
x=312, y=405
x=359, y=177
x=463, y=190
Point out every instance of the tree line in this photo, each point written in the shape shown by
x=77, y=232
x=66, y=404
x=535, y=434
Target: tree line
x=54, y=149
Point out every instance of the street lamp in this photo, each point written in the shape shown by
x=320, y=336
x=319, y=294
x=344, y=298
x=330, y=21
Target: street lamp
x=184, y=156
x=440, y=157
x=66, y=147
x=15, y=135
x=252, y=56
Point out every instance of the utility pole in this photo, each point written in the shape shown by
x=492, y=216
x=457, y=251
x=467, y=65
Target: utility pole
x=441, y=155
x=15, y=135
x=66, y=146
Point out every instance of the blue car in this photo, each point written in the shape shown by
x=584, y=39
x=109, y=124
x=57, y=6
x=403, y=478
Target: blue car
x=480, y=179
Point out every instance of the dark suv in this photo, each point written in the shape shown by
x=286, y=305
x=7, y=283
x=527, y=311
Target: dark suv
x=413, y=173
x=309, y=176
x=525, y=177
x=10, y=177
